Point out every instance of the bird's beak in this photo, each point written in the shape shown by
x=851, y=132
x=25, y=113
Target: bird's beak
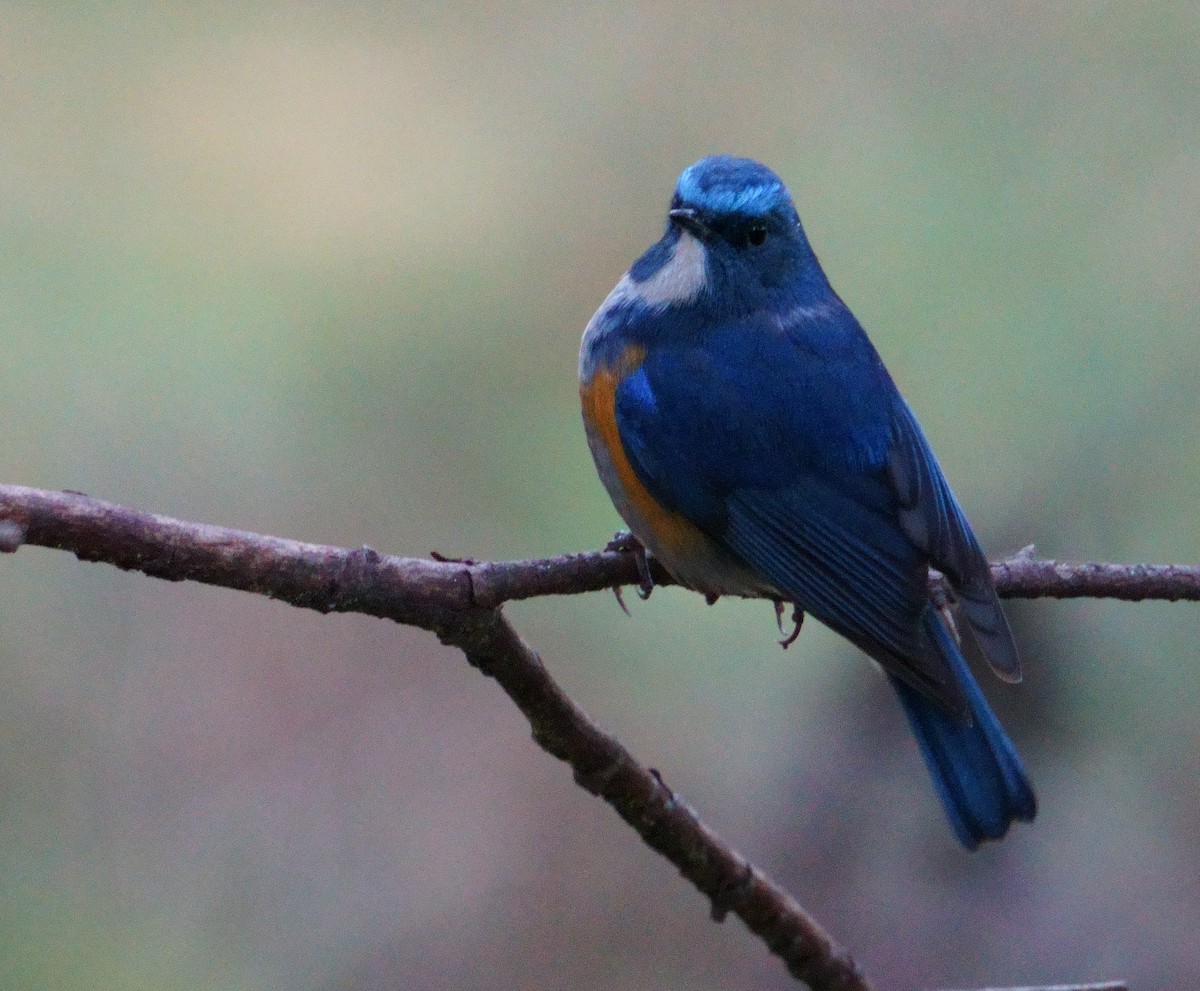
x=689, y=220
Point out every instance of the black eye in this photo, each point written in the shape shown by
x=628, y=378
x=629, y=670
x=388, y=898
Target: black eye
x=756, y=235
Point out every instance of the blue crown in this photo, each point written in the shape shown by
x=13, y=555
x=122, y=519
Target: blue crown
x=721, y=184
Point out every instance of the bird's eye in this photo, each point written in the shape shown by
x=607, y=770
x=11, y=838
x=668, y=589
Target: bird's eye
x=756, y=235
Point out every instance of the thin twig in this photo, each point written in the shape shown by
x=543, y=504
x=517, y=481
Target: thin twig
x=1102, y=986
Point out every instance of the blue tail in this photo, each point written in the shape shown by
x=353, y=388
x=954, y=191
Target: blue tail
x=976, y=771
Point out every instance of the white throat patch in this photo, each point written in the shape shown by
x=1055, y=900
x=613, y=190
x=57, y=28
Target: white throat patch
x=680, y=280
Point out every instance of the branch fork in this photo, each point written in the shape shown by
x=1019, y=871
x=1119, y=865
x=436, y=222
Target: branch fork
x=461, y=602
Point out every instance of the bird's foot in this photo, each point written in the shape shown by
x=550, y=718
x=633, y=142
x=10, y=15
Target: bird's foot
x=626, y=543
x=797, y=622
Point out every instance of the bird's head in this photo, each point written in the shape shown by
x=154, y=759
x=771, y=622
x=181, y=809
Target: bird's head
x=733, y=241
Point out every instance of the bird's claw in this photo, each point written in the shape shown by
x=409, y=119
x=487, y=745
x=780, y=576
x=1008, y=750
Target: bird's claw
x=645, y=583
x=625, y=542
x=797, y=622
x=616, y=590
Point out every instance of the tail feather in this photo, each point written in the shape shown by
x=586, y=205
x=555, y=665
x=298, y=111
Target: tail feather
x=975, y=768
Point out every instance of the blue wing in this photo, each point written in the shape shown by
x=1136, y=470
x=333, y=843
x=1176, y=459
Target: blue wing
x=933, y=520
x=777, y=445
x=850, y=568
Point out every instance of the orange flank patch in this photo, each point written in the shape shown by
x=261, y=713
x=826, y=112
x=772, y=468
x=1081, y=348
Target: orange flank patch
x=672, y=532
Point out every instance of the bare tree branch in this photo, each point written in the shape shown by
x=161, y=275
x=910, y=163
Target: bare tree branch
x=422, y=592
x=460, y=602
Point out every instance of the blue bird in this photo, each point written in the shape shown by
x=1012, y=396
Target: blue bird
x=749, y=434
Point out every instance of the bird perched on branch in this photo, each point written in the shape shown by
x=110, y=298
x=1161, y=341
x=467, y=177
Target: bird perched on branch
x=749, y=434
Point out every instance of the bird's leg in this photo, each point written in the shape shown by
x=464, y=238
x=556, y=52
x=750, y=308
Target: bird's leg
x=942, y=600
x=645, y=579
x=627, y=543
x=797, y=621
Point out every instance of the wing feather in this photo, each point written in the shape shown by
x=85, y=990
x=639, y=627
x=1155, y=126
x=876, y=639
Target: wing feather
x=933, y=520
x=813, y=542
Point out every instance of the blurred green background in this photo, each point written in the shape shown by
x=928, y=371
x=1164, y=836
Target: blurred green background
x=320, y=270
